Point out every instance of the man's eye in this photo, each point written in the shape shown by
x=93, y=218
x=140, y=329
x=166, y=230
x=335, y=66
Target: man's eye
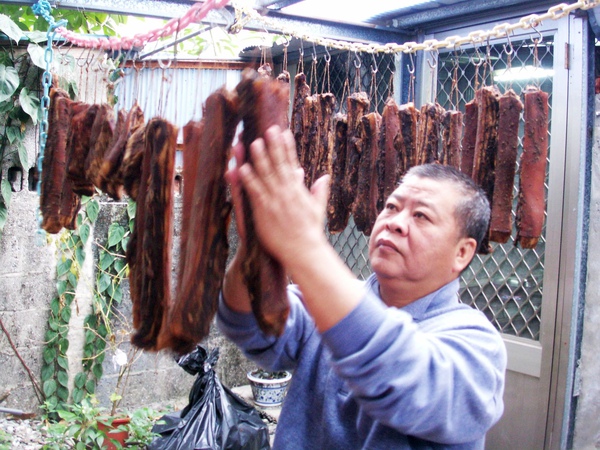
x=420, y=215
x=390, y=206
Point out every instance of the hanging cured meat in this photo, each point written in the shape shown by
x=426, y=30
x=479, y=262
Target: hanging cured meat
x=310, y=138
x=101, y=138
x=150, y=256
x=452, y=123
x=132, y=161
x=365, y=207
x=301, y=91
x=469, y=137
x=261, y=104
x=206, y=212
x=326, y=139
x=58, y=204
x=358, y=105
x=532, y=169
x=428, y=133
x=510, y=107
x=406, y=141
x=486, y=147
x=390, y=157
x=111, y=171
x=337, y=212
x=80, y=138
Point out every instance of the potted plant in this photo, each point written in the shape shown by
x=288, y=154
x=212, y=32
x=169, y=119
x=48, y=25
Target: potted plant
x=269, y=387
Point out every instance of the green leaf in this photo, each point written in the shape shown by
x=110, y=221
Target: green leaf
x=78, y=394
x=131, y=208
x=115, y=234
x=63, y=362
x=9, y=82
x=92, y=209
x=50, y=336
x=63, y=378
x=47, y=372
x=13, y=133
x=65, y=315
x=37, y=55
x=61, y=287
x=118, y=294
x=84, y=232
x=125, y=242
x=23, y=159
x=103, y=282
x=63, y=267
x=63, y=345
x=6, y=192
x=53, y=324
x=90, y=386
x=106, y=259
x=3, y=215
x=30, y=104
x=97, y=371
x=10, y=28
x=37, y=37
x=49, y=387
x=55, y=306
x=80, y=256
x=49, y=355
x=72, y=279
x=63, y=393
x=80, y=380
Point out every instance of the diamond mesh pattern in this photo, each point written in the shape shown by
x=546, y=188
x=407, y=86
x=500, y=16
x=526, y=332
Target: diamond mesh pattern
x=507, y=284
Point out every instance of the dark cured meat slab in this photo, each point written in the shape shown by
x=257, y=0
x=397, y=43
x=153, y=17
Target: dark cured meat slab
x=326, y=136
x=150, y=261
x=261, y=103
x=337, y=212
x=510, y=107
x=531, y=203
x=469, y=137
x=486, y=147
x=301, y=91
x=102, y=135
x=428, y=133
x=406, y=141
x=132, y=162
x=452, y=123
x=80, y=138
x=204, y=246
x=358, y=106
x=310, y=138
x=389, y=171
x=367, y=195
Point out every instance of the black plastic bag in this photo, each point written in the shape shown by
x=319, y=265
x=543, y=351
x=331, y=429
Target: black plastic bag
x=215, y=417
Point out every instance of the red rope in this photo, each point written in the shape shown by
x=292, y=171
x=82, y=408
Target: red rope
x=195, y=14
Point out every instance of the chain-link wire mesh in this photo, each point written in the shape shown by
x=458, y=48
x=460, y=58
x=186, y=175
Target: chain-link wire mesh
x=507, y=284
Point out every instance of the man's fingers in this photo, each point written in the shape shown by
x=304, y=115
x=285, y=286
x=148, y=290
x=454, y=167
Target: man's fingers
x=320, y=191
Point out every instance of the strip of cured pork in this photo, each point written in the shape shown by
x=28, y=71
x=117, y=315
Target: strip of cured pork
x=80, y=138
x=337, y=212
x=150, y=260
x=206, y=213
x=111, y=171
x=509, y=112
x=133, y=160
x=358, y=106
x=261, y=104
x=389, y=171
x=365, y=207
x=428, y=133
x=301, y=91
x=406, y=140
x=102, y=134
x=58, y=204
x=452, y=123
x=326, y=136
x=469, y=137
x=486, y=147
x=532, y=170
x=310, y=138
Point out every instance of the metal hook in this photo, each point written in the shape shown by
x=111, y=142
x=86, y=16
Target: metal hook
x=433, y=62
x=536, y=42
x=162, y=65
x=327, y=56
x=479, y=58
x=301, y=50
x=376, y=69
x=286, y=44
x=314, y=53
x=357, y=60
x=411, y=68
x=512, y=49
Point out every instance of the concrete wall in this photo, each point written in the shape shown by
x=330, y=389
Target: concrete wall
x=587, y=421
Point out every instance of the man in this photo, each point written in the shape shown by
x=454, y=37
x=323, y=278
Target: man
x=393, y=362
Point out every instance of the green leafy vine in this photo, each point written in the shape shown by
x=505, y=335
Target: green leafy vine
x=71, y=248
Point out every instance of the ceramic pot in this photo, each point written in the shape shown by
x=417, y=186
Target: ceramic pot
x=110, y=428
x=268, y=392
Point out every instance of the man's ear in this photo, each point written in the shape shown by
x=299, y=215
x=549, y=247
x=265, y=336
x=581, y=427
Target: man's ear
x=465, y=251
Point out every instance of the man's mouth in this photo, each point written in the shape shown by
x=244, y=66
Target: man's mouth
x=386, y=243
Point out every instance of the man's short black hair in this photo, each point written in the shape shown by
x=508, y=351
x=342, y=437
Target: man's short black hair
x=473, y=210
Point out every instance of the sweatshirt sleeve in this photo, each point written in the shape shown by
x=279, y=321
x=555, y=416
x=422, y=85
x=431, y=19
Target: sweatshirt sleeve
x=441, y=379
x=269, y=352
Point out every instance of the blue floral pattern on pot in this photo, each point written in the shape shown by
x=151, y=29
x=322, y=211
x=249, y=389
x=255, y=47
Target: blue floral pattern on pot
x=269, y=392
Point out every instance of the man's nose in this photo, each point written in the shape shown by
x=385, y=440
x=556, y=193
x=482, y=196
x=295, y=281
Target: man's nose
x=398, y=223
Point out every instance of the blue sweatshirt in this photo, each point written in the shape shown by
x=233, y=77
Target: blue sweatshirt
x=429, y=375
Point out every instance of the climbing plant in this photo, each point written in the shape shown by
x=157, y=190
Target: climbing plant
x=71, y=255
x=108, y=294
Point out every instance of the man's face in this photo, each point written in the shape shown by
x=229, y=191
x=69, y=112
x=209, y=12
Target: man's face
x=415, y=238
